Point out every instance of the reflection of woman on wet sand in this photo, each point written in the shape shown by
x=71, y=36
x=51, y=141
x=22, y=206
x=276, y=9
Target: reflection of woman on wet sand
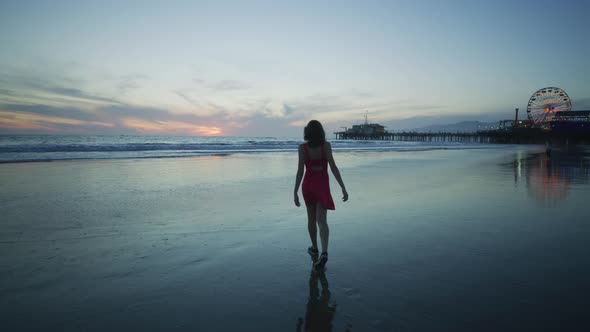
x=320, y=313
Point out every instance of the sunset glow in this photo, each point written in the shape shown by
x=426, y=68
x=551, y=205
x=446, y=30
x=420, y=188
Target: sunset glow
x=23, y=125
x=10, y=120
x=267, y=68
x=170, y=127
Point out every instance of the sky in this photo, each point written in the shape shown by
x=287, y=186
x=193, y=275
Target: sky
x=265, y=68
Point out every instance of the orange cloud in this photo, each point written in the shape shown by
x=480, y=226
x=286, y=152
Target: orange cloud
x=22, y=125
x=298, y=123
x=170, y=127
x=19, y=120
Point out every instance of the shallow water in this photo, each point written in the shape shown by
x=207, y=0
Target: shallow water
x=492, y=239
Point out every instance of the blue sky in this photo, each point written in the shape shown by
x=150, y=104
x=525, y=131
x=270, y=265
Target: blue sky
x=267, y=67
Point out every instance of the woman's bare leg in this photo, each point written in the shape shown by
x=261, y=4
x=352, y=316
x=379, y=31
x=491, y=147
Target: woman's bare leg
x=321, y=214
x=311, y=225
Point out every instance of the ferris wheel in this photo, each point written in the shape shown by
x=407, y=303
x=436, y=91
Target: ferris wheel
x=544, y=103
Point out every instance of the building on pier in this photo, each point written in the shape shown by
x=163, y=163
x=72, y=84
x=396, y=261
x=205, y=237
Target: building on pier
x=363, y=131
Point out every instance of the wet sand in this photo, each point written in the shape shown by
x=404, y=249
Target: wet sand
x=465, y=240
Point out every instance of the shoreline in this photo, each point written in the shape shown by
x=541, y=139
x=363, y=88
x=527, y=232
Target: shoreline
x=30, y=149
x=224, y=153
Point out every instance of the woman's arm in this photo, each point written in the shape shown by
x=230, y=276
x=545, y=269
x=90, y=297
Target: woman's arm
x=299, y=176
x=336, y=171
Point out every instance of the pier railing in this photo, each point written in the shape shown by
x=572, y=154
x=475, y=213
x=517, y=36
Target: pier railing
x=525, y=136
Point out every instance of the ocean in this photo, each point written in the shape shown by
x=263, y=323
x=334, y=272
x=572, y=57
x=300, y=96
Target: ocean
x=29, y=148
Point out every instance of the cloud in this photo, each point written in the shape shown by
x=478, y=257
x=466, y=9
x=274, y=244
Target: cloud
x=32, y=88
x=288, y=110
x=299, y=123
x=130, y=82
x=186, y=98
x=347, y=109
x=11, y=124
x=226, y=85
x=7, y=92
x=58, y=103
x=420, y=121
x=44, y=110
x=229, y=85
x=254, y=118
x=74, y=93
x=263, y=126
x=25, y=117
x=112, y=119
x=54, y=84
x=169, y=127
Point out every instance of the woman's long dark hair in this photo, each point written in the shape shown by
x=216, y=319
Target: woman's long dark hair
x=314, y=133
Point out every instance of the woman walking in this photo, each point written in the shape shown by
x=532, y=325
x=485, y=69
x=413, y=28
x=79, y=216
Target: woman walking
x=316, y=155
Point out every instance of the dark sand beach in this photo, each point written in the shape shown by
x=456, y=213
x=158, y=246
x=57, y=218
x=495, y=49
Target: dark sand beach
x=490, y=239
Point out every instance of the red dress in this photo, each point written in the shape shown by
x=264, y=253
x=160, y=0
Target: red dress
x=316, y=183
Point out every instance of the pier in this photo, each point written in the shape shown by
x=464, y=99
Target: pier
x=511, y=136
x=542, y=126
x=414, y=136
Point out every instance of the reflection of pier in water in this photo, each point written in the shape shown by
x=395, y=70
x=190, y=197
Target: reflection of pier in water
x=548, y=179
